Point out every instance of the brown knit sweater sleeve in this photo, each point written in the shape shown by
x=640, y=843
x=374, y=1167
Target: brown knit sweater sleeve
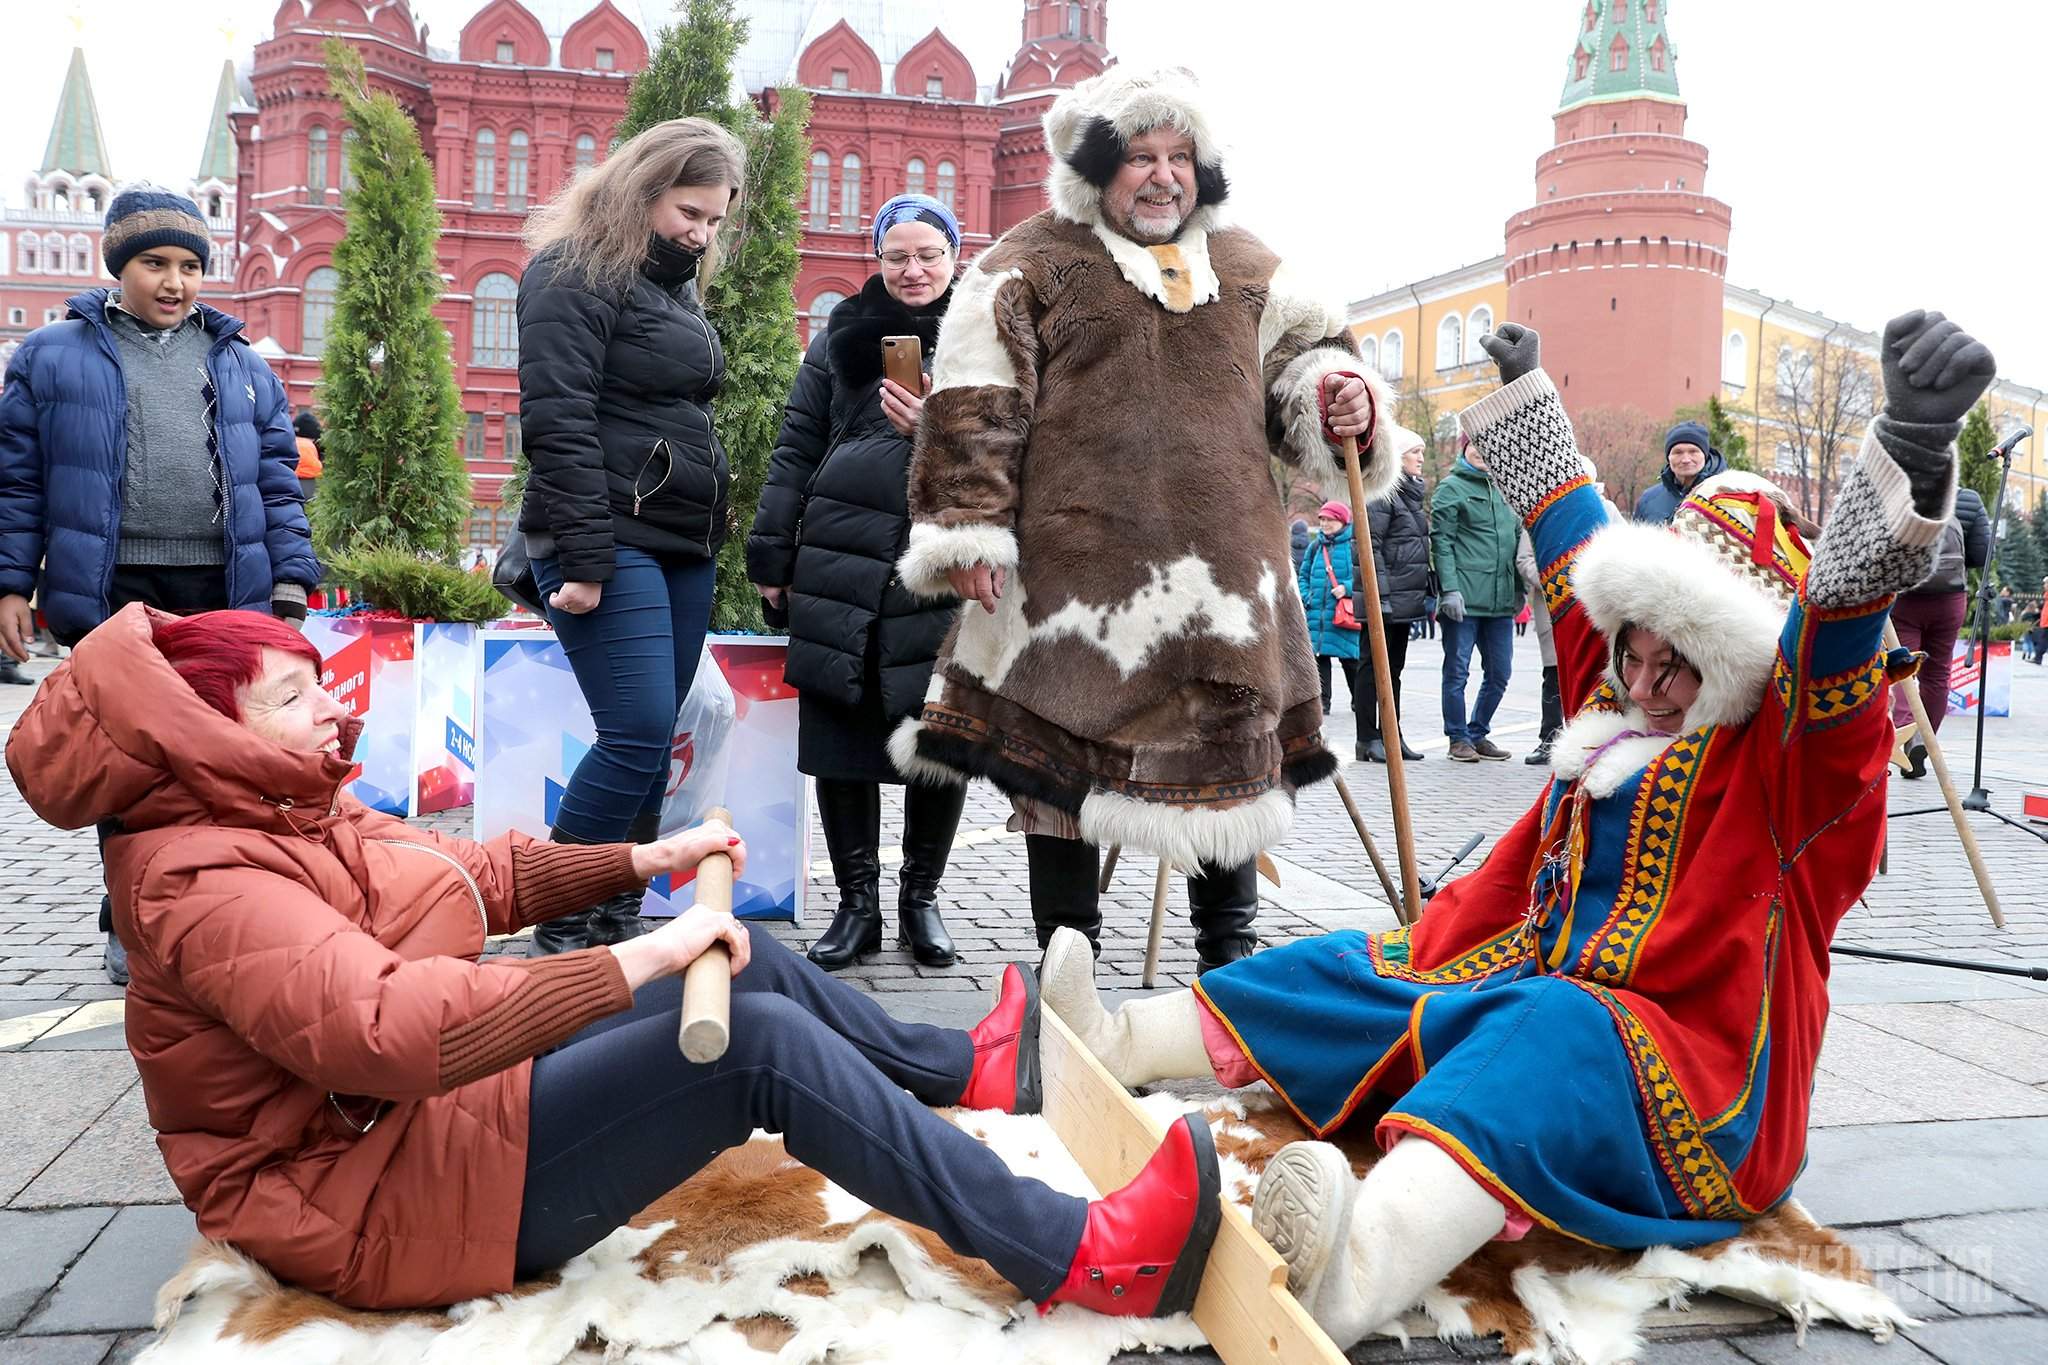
x=559, y=996
x=557, y=879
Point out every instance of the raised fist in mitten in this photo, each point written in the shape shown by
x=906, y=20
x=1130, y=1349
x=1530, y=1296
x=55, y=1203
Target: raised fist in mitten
x=1934, y=371
x=1513, y=348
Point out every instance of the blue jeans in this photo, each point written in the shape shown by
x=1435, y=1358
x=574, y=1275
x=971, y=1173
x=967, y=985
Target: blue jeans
x=1495, y=636
x=634, y=656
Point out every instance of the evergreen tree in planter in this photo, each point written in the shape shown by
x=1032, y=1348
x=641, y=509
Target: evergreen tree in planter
x=395, y=496
x=752, y=298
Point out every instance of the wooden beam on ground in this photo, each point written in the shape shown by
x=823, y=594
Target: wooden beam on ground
x=1243, y=1305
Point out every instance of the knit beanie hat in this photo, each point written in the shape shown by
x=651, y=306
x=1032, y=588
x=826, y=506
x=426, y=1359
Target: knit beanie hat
x=146, y=216
x=1687, y=432
x=916, y=208
x=1334, y=508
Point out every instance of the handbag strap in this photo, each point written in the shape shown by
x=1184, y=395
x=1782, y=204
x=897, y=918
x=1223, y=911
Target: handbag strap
x=1330, y=568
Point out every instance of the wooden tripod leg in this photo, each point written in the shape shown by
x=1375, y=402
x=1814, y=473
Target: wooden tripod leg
x=1108, y=868
x=1939, y=762
x=1371, y=849
x=1159, y=884
x=1243, y=1306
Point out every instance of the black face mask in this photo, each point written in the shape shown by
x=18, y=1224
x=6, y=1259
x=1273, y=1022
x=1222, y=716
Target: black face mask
x=667, y=263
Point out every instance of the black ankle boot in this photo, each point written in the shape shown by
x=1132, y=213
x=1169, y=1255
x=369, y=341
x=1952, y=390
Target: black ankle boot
x=931, y=815
x=618, y=919
x=851, y=814
x=1223, y=902
x=563, y=933
x=1063, y=887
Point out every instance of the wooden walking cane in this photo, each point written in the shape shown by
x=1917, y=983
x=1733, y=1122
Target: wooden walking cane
x=1935, y=757
x=1410, y=905
x=707, y=981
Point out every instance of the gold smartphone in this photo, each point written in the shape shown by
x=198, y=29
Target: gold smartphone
x=903, y=361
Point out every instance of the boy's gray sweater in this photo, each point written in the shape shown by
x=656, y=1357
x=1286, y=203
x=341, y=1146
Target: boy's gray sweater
x=170, y=495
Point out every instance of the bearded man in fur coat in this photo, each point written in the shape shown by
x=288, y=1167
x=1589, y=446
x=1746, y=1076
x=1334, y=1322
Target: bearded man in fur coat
x=1131, y=665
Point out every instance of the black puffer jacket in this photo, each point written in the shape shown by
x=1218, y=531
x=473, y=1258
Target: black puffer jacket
x=1400, y=549
x=833, y=517
x=615, y=409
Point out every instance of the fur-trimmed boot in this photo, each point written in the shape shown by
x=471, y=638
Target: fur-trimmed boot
x=1223, y=902
x=851, y=814
x=1064, y=873
x=1361, y=1253
x=931, y=816
x=616, y=919
x=1154, y=1038
x=1143, y=1248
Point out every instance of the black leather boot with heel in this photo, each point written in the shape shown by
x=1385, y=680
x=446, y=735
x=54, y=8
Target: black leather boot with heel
x=563, y=933
x=851, y=816
x=1222, y=903
x=931, y=816
x=1064, y=874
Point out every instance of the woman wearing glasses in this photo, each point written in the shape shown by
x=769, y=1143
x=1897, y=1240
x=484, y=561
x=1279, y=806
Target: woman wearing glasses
x=832, y=524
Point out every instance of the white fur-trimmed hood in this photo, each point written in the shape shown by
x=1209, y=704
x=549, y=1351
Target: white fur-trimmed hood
x=1646, y=576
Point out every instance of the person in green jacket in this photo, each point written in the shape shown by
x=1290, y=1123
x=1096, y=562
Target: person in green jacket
x=1472, y=536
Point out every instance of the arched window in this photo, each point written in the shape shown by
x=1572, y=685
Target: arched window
x=494, y=325
x=821, y=190
x=1477, y=326
x=1617, y=56
x=1657, y=55
x=348, y=160
x=515, y=172
x=1735, y=360
x=53, y=252
x=820, y=315
x=1369, y=351
x=913, y=176
x=486, y=187
x=586, y=150
x=849, y=192
x=1620, y=8
x=1391, y=364
x=213, y=204
x=316, y=161
x=944, y=193
x=317, y=310
x=1787, y=375
x=1450, y=342
x=81, y=254
x=31, y=254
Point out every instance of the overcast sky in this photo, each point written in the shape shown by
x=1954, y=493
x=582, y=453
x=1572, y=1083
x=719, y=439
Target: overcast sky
x=1878, y=157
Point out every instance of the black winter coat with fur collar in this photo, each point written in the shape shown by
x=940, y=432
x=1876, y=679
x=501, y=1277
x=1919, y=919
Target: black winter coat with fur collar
x=833, y=517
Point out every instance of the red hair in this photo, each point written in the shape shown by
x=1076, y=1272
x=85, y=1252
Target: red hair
x=218, y=653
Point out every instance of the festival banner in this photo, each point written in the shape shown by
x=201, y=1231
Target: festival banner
x=734, y=746
x=446, y=661
x=413, y=685
x=1966, y=681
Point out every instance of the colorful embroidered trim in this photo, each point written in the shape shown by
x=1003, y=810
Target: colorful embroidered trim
x=1655, y=828
x=1390, y=957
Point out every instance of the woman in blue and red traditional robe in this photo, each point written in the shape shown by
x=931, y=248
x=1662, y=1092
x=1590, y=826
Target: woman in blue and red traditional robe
x=1610, y=1028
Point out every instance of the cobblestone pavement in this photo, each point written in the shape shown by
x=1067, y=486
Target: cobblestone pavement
x=1930, y=1141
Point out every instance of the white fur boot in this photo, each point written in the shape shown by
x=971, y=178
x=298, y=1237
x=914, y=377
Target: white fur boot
x=1156, y=1039
x=1360, y=1253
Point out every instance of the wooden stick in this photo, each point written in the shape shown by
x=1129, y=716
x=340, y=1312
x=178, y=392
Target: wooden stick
x=1372, y=850
x=1948, y=787
x=1410, y=905
x=1243, y=1306
x=1159, y=885
x=1108, y=868
x=707, y=981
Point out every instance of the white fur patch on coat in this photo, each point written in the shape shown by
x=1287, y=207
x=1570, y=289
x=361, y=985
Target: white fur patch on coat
x=971, y=350
x=1302, y=430
x=1188, y=837
x=934, y=549
x=1630, y=574
x=1132, y=102
x=1586, y=733
x=914, y=766
x=1143, y=272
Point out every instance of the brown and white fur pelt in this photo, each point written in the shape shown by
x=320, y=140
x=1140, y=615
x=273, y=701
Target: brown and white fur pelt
x=759, y=1259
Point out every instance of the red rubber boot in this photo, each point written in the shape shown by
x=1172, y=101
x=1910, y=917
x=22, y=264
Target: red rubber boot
x=1005, y=1074
x=1144, y=1248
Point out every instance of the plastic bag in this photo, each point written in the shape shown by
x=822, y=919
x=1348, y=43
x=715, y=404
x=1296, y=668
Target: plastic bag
x=700, y=754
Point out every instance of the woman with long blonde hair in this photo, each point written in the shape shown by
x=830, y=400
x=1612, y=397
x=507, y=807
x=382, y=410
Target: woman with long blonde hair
x=625, y=501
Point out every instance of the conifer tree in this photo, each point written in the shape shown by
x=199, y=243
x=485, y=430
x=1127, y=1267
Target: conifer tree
x=752, y=299
x=1975, y=440
x=1722, y=432
x=393, y=477
x=2020, y=561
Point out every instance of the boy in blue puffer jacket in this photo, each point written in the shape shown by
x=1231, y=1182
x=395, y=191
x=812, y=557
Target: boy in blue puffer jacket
x=1327, y=575
x=146, y=454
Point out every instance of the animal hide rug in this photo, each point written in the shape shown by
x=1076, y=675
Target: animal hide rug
x=759, y=1259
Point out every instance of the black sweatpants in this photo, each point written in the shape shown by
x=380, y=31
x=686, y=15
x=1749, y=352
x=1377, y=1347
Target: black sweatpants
x=619, y=1117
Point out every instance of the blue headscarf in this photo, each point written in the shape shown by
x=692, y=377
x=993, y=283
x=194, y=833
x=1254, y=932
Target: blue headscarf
x=916, y=208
